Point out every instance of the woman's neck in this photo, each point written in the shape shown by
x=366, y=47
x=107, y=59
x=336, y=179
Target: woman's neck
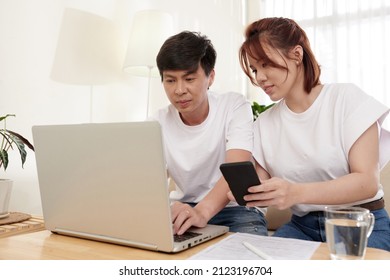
x=299, y=100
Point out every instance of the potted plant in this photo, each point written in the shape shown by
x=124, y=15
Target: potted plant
x=9, y=140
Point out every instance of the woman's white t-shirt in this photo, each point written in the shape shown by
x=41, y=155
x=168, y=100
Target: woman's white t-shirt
x=194, y=153
x=313, y=146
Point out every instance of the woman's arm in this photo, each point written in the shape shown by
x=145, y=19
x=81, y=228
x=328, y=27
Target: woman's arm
x=361, y=183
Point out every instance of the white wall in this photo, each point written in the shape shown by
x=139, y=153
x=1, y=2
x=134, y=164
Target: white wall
x=28, y=37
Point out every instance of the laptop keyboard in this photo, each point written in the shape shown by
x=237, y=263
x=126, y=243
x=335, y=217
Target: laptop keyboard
x=185, y=236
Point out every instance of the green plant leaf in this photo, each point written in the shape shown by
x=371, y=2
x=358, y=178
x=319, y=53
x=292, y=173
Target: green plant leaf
x=4, y=159
x=10, y=139
x=20, y=145
x=6, y=136
x=6, y=116
x=21, y=138
x=257, y=109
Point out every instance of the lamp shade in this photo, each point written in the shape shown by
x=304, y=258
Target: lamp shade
x=149, y=30
x=87, y=50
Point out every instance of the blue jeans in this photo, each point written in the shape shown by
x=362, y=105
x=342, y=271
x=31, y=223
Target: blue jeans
x=312, y=227
x=240, y=219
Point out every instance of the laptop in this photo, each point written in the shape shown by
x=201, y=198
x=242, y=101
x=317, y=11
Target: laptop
x=108, y=182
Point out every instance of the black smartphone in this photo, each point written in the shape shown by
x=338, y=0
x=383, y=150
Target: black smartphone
x=240, y=176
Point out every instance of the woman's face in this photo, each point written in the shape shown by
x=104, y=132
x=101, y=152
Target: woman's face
x=277, y=83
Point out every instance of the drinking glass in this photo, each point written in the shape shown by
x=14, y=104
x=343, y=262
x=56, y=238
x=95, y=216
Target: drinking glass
x=347, y=231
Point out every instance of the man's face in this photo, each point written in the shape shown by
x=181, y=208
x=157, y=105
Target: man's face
x=187, y=91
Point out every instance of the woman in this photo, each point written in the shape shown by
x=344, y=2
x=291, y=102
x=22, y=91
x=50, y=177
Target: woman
x=319, y=145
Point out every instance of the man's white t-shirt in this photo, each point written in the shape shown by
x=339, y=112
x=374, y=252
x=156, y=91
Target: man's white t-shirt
x=313, y=146
x=194, y=153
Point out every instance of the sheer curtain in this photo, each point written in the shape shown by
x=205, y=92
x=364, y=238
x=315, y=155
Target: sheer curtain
x=351, y=39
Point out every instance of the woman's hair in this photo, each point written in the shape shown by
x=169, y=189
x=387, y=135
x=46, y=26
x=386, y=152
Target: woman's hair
x=282, y=34
x=186, y=51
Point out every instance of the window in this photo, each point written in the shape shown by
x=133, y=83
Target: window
x=350, y=38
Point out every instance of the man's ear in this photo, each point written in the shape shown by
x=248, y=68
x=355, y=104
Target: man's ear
x=211, y=78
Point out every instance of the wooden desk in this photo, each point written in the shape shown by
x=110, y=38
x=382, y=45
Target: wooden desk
x=47, y=246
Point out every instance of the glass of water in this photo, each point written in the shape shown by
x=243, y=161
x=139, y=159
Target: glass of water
x=347, y=231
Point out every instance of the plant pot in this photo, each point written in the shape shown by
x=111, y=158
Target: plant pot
x=5, y=195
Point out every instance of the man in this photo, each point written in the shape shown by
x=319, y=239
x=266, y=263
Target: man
x=201, y=130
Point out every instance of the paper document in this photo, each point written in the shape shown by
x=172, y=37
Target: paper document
x=232, y=248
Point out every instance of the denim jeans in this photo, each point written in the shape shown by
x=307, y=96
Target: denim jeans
x=312, y=227
x=241, y=219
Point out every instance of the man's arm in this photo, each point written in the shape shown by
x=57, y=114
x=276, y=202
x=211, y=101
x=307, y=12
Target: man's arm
x=184, y=216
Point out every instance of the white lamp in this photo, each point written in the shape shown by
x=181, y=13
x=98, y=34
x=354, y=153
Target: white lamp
x=149, y=30
x=86, y=51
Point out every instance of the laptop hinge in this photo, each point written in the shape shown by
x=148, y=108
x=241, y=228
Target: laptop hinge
x=105, y=238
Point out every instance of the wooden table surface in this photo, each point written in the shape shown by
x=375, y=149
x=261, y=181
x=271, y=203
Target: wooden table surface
x=45, y=245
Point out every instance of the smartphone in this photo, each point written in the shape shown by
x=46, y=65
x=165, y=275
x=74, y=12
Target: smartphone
x=240, y=176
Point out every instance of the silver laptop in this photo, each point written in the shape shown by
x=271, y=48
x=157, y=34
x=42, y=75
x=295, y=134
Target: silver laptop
x=108, y=182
